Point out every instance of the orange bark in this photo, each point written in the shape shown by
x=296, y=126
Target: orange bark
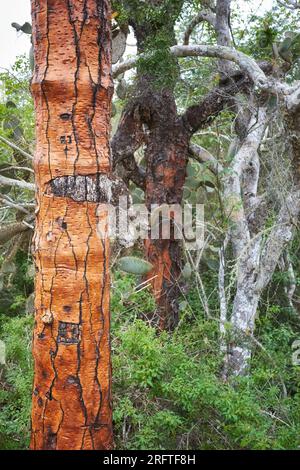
x=72, y=90
x=165, y=178
x=162, y=281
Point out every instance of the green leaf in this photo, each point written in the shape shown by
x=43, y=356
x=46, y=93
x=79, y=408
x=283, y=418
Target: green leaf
x=133, y=265
x=17, y=26
x=26, y=28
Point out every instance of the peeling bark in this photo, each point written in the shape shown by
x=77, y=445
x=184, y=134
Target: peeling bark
x=151, y=119
x=167, y=158
x=72, y=90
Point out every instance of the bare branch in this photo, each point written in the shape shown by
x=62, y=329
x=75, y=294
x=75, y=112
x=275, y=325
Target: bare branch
x=132, y=171
x=246, y=63
x=16, y=183
x=13, y=205
x=198, y=116
x=16, y=147
x=126, y=141
x=204, y=15
x=280, y=236
x=13, y=167
x=204, y=156
x=7, y=232
x=203, y=50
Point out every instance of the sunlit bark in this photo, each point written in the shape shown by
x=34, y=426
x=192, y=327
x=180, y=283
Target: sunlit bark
x=72, y=91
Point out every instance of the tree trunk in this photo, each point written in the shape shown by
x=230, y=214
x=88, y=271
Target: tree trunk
x=72, y=91
x=244, y=312
x=150, y=118
x=167, y=158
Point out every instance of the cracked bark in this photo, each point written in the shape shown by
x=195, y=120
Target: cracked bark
x=151, y=119
x=167, y=156
x=72, y=89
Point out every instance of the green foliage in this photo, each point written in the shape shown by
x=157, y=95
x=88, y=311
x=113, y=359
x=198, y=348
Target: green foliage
x=157, y=13
x=16, y=287
x=168, y=393
x=129, y=301
x=16, y=105
x=272, y=36
x=16, y=383
x=289, y=49
x=158, y=63
x=167, y=388
x=134, y=265
x=155, y=21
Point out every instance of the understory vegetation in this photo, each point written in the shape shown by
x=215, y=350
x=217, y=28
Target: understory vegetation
x=167, y=391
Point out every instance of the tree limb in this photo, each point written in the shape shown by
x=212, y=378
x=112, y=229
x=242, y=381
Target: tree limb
x=222, y=22
x=126, y=141
x=16, y=147
x=199, y=116
x=280, y=235
x=246, y=63
x=19, y=207
x=204, y=156
x=7, y=232
x=240, y=234
x=13, y=167
x=204, y=15
x=293, y=100
x=16, y=183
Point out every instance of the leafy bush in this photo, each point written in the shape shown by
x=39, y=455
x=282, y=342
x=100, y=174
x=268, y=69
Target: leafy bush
x=167, y=389
x=16, y=383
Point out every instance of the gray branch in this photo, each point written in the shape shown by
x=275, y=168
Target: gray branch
x=204, y=15
x=16, y=147
x=16, y=183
